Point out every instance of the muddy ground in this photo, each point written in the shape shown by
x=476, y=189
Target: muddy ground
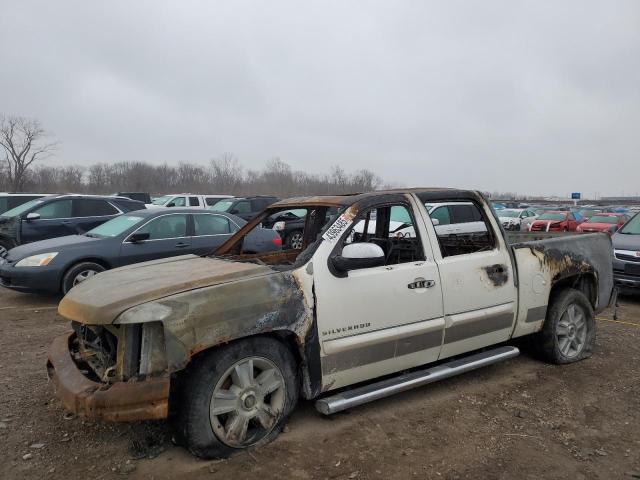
x=520, y=419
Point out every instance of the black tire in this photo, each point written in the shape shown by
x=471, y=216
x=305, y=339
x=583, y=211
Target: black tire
x=194, y=422
x=71, y=276
x=551, y=343
x=294, y=238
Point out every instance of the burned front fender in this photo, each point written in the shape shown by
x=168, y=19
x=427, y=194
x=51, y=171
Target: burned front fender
x=199, y=319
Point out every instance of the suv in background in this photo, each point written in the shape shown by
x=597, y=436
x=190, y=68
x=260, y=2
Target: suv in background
x=246, y=207
x=13, y=200
x=186, y=200
x=143, y=197
x=59, y=215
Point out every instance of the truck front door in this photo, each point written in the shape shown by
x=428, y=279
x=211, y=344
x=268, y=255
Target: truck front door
x=377, y=320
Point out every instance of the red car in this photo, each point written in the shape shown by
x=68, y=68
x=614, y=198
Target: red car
x=555, y=222
x=603, y=222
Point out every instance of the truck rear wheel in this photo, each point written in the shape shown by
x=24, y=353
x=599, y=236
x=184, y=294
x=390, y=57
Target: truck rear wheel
x=237, y=397
x=569, y=332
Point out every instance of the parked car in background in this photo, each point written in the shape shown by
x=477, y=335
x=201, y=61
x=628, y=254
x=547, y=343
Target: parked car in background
x=186, y=200
x=245, y=207
x=59, y=215
x=626, y=252
x=58, y=264
x=587, y=213
x=143, y=197
x=555, y=222
x=516, y=219
x=603, y=222
x=456, y=218
x=290, y=225
x=13, y=200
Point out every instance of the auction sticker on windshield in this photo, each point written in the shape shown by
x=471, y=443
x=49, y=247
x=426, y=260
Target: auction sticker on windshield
x=338, y=227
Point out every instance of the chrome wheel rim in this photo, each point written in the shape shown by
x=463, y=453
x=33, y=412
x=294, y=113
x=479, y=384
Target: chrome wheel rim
x=82, y=276
x=296, y=241
x=247, y=402
x=571, y=332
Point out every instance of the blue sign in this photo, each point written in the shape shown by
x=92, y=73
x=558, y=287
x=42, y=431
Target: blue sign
x=575, y=196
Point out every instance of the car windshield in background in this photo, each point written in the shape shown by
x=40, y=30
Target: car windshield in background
x=509, y=213
x=161, y=200
x=551, y=216
x=20, y=209
x=115, y=226
x=632, y=227
x=603, y=219
x=222, y=206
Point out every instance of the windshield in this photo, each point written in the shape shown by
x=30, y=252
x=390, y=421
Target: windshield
x=509, y=213
x=551, y=216
x=161, y=200
x=603, y=219
x=115, y=226
x=222, y=206
x=632, y=227
x=20, y=209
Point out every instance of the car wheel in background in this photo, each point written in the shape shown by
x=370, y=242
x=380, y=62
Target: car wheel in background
x=79, y=273
x=238, y=396
x=294, y=240
x=569, y=331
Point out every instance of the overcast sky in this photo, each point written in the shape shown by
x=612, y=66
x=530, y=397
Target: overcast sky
x=535, y=97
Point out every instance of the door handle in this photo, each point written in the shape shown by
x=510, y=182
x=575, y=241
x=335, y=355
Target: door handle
x=181, y=245
x=421, y=283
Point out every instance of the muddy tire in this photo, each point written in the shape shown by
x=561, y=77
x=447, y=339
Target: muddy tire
x=237, y=397
x=79, y=273
x=569, y=331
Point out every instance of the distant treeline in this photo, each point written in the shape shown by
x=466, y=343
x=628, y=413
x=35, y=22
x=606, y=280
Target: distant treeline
x=223, y=175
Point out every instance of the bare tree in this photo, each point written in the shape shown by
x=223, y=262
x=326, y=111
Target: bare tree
x=23, y=142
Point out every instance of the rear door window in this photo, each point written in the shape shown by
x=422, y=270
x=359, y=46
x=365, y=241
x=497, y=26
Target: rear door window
x=84, y=207
x=55, y=209
x=211, y=225
x=194, y=202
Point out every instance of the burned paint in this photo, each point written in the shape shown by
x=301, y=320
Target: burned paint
x=577, y=257
x=498, y=274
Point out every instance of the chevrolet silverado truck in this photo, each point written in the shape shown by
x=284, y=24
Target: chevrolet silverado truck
x=224, y=345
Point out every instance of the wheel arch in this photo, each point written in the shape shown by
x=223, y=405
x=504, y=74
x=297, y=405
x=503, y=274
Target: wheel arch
x=585, y=282
x=99, y=260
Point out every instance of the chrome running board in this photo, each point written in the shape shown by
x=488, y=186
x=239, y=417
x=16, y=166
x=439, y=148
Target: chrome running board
x=384, y=388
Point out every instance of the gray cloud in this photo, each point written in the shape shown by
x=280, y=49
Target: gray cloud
x=536, y=97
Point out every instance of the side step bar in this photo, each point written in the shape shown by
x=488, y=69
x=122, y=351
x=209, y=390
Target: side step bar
x=384, y=388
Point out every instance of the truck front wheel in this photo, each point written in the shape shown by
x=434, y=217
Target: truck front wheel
x=238, y=396
x=569, y=332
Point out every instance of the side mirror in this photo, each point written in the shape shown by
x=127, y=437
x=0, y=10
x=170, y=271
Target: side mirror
x=171, y=204
x=32, y=216
x=139, y=237
x=359, y=255
x=435, y=221
x=233, y=211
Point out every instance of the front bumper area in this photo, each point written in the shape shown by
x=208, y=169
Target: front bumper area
x=625, y=280
x=118, y=402
x=30, y=279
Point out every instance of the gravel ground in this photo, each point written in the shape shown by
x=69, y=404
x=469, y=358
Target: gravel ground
x=519, y=419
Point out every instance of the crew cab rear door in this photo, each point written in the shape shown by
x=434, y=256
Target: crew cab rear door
x=477, y=277
x=382, y=319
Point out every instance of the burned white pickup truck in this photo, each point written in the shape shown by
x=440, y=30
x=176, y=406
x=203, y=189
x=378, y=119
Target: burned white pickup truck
x=224, y=345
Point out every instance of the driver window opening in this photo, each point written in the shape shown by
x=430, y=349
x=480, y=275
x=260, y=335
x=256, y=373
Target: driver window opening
x=392, y=228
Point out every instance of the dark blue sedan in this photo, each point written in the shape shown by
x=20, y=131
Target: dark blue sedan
x=57, y=264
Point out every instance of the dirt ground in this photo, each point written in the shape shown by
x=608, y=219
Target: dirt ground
x=519, y=419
